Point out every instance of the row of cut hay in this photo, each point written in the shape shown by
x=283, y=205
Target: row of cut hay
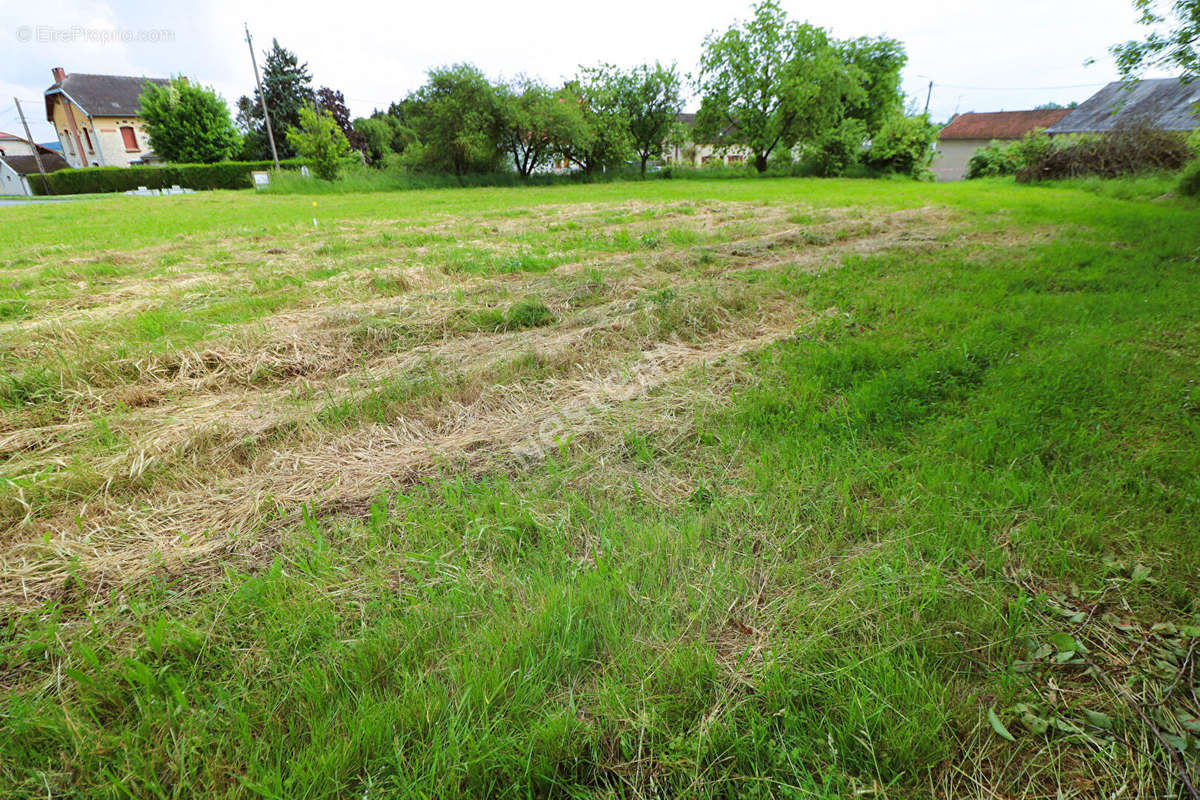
x=122, y=543
x=207, y=433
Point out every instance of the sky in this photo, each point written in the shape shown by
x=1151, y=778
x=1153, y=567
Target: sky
x=981, y=55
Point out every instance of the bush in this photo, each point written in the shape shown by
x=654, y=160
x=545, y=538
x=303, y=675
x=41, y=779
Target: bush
x=1125, y=150
x=93, y=180
x=1032, y=148
x=839, y=149
x=903, y=145
x=320, y=141
x=999, y=160
x=996, y=160
x=1189, y=181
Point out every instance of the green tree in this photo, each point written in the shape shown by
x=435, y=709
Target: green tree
x=879, y=62
x=1173, y=41
x=384, y=136
x=188, y=124
x=537, y=124
x=455, y=116
x=604, y=141
x=772, y=82
x=287, y=85
x=649, y=98
x=320, y=141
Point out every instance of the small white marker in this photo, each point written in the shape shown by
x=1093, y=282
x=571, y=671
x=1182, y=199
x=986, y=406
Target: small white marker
x=314, y=214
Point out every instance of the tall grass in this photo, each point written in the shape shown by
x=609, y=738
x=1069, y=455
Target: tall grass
x=364, y=179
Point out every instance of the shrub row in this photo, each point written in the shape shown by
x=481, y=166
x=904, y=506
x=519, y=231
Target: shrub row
x=1125, y=150
x=222, y=175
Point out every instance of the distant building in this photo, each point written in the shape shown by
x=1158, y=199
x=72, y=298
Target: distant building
x=98, y=118
x=1166, y=103
x=12, y=145
x=966, y=133
x=18, y=165
x=689, y=152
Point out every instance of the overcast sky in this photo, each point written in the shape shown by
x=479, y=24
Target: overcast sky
x=982, y=55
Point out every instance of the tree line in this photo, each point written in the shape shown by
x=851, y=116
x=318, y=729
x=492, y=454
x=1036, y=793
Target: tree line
x=774, y=87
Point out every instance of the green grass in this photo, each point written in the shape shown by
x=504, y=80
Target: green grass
x=816, y=584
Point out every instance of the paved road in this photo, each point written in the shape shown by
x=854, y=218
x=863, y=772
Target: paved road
x=24, y=201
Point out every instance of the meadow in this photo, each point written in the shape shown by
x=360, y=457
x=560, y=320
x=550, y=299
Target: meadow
x=739, y=488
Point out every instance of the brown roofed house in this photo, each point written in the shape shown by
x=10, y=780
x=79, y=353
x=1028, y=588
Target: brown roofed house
x=98, y=118
x=966, y=133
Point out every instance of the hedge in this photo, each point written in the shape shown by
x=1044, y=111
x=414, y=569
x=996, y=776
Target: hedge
x=223, y=175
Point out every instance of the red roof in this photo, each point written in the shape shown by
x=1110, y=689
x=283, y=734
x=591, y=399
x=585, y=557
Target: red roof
x=1001, y=124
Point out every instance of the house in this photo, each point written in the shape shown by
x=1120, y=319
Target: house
x=17, y=169
x=98, y=118
x=966, y=133
x=692, y=153
x=1166, y=103
x=12, y=145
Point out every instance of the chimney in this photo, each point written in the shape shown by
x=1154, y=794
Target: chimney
x=60, y=74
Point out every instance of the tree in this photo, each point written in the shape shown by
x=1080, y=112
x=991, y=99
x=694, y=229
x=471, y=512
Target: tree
x=1173, y=42
x=188, y=124
x=287, y=85
x=334, y=102
x=384, y=135
x=455, y=116
x=320, y=141
x=604, y=140
x=649, y=99
x=771, y=82
x=536, y=123
x=879, y=62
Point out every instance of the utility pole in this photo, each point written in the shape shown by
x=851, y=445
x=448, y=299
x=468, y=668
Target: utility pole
x=928, y=97
x=263, y=97
x=37, y=156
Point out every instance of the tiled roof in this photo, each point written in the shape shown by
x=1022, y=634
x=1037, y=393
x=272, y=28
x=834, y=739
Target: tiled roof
x=27, y=165
x=105, y=95
x=1001, y=124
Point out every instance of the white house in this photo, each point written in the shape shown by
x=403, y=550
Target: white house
x=17, y=164
x=692, y=153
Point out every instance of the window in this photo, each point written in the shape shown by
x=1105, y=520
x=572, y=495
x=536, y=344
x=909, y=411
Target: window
x=87, y=137
x=130, y=138
x=67, y=141
x=736, y=159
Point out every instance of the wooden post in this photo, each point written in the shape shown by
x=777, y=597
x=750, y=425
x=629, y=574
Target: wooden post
x=36, y=155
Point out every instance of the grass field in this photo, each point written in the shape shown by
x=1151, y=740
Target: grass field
x=738, y=489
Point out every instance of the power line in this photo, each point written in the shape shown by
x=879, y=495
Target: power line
x=1020, y=88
